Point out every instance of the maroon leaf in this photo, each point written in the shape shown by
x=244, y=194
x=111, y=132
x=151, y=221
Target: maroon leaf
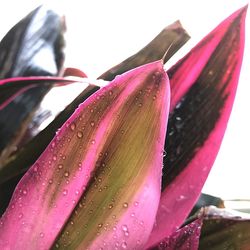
x=203, y=87
x=171, y=39
x=224, y=229
x=32, y=47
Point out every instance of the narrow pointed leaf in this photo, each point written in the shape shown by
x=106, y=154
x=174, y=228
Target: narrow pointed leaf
x=203, y=87
x=96, y=161
x=223, y=229
x=186, y=238
x=172, y=38
x=13, y=87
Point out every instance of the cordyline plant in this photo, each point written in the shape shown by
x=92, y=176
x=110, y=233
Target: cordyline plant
x=93, y=178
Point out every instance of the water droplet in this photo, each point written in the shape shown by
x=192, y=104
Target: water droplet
x=60, y=166
x=136, y=203
x=65, y=192
x=133, y=215
x=110, y=206
x=66, y=174
x=110, y=92
x=125, y=204
x=100, y=225
x=41, y=235
x=54, y=157
x=126, y=234
x=24, y=192
x=114, y=228
x=92, y=141
x=79, y=134
x=20, y=216
x=92, y=124
x=50, y=181
x=124, y=228
x=77, y=192
x=124, y=245
x=72, y=126
x=53, y=144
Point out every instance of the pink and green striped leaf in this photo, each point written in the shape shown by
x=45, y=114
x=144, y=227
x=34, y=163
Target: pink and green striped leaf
x=203, y=86
x=91, y=184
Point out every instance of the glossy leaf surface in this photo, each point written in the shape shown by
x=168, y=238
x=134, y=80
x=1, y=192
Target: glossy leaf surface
x=93, y=161
x=203, y=87
x=32, y=47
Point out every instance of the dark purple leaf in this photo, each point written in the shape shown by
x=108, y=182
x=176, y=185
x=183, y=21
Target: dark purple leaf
x=203, y=87
x=170, y=40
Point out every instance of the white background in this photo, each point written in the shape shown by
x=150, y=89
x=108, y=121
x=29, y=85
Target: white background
x=105, y=32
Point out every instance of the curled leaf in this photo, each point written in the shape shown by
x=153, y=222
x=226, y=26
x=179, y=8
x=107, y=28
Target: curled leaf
x=32, y=47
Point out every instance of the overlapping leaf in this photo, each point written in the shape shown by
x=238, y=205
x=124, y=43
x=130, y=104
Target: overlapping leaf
x=186, y=238
x=223, y=229
x=203, y=87
x=170, y=40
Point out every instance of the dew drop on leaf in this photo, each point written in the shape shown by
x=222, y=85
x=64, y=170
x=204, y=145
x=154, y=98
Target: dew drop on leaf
x=60, y=166
x=124, y=228
x=79, y=134
x=125, y=204
x=72, y=126
x=124, y=245
x=65, y=192
x=66, y=174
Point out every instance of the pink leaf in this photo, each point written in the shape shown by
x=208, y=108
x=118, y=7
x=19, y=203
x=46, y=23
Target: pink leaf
x=96, y=164
x=203, y=87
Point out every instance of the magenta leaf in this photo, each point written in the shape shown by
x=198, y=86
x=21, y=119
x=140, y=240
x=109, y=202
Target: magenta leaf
x=203, y=87
x=186, y=238
x=88, y=170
